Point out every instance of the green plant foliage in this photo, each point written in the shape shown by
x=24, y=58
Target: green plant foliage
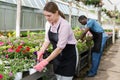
x=81, y=46
x=19, y=51
x=86, y=44
x=111, y=13
x=77, y=32
x=8, y=70
x=91, y=2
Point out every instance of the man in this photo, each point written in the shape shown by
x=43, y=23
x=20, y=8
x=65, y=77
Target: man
x=99, y=39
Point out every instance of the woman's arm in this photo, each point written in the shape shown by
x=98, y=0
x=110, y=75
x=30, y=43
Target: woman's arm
x=55, y=53
x=44, y=46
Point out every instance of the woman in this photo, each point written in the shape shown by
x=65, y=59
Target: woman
x=99, y=39
x=60, y=35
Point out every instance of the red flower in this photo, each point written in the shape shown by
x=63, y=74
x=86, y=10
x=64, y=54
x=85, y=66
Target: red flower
x=17, y=50
x=1, y=76
x=27, y=48
x=19, y=46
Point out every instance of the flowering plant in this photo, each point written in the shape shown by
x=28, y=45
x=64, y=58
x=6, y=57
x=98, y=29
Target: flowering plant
x=8, y=71
x=18, y=48
x=17, y=52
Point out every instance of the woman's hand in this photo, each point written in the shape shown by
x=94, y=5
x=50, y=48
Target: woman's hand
x=40, y=55
x=40, y=66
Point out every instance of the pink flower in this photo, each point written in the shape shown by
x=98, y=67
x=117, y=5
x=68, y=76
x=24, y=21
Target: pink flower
x=9, y=43
x=10, y=74
x=1, y=43
x=22, y=43
x=7, y=56
x=1, y=76
x=10, y=50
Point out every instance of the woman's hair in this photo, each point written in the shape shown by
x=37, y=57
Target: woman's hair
x=52, y=7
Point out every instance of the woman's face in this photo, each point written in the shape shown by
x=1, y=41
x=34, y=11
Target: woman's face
x=51, y=17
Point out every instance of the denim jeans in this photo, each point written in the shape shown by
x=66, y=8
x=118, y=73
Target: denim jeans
x=96, y=57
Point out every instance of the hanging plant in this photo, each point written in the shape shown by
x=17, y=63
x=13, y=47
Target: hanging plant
x=111, y=13
x=96, y=3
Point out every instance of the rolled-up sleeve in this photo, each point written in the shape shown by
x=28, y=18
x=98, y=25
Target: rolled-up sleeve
x=47, y=26
x=63, y=36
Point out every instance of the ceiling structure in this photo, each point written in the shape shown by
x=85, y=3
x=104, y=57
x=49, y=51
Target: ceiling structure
x=64, y=7
x=110, y=4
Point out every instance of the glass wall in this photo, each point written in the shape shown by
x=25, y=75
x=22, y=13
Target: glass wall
x=32, y=17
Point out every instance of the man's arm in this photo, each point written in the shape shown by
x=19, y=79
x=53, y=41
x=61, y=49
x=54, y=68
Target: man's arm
x=84, y=33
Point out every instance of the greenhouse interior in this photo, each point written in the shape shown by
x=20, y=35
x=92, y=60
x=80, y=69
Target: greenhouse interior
x=23, y=34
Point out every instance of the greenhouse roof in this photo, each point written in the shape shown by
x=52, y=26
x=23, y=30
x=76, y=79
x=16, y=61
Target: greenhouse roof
x=63, y=7
x=29, y=3
x=75, y=11
x=39, y=4
x=110, y=4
